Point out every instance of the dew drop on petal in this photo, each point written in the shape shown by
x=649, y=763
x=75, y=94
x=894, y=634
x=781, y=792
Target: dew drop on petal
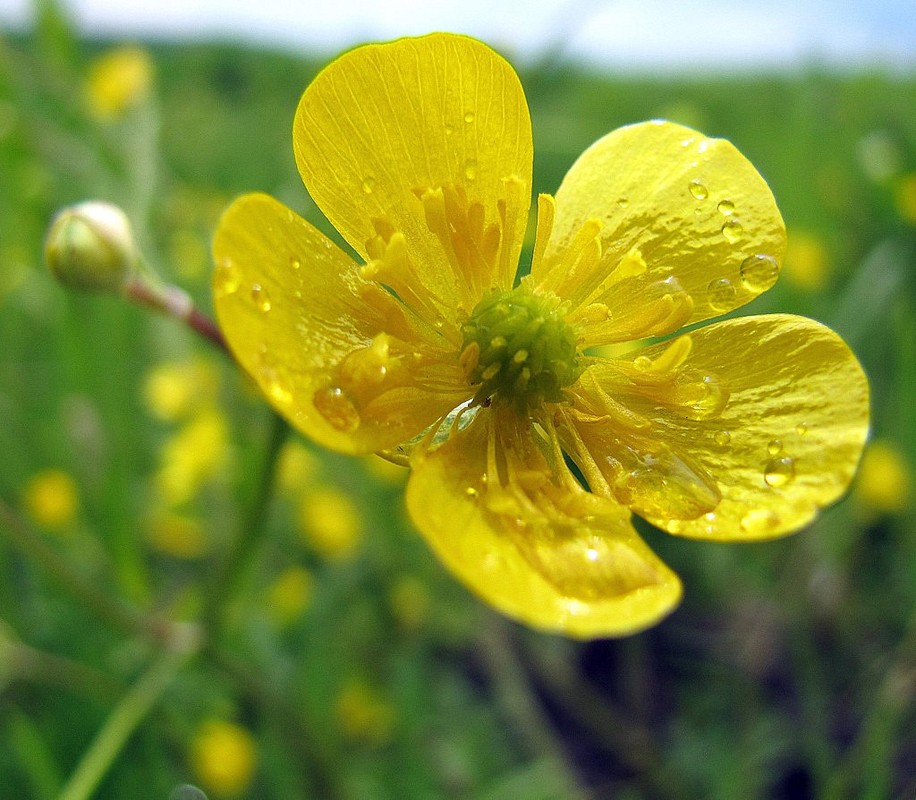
x=260, y=297
x=721, y=294
x=698, y=189
x=470, y=169
x=732, y=230
x=801, y=429
x=623, y=202
x=779, y=471
x=759, y=521
x=449, y=130
x=722, y=438
x=774, y=447
x=228, y=277
x=759, y=273
x=337, y=408
x=726, y=208
x=470, y=492
x=368, y=184
x=294, y=263
x=469, y=117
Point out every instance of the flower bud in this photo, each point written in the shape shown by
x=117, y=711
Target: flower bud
x=91, y=246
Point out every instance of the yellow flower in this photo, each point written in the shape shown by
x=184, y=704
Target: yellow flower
x=172, y=390
x=224, y=757
x=119, y=80
x=528, y=456
x=51, y=499
x=330, y=522
x=193, y=456
x=884, y=483
x=177, y=535
x=363, y=713
x=807, y=265
x=289, y=595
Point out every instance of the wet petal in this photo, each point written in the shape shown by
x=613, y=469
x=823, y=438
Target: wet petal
x=658, y=211
x=335, y=354
x=759, y=423
x=544, y=552
x=425, y=143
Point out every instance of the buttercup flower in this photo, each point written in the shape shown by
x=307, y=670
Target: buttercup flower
x=528, y=455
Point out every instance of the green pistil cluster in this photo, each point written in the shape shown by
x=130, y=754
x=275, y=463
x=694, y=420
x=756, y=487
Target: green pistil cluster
x=519, y=349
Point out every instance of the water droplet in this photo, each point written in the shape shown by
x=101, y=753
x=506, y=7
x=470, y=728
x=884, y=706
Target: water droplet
x=470, y=492
x=337, y=408
x=801, y=429
x=294, y=263
x=675, y=526
x=260, y=297
x=759, y=273
x=774, y=447
x=368, y=184
x=591, y=554
x=715, y=397
x=469, y=117
x=470, y=169
x=726, y=208
x=732, y=230
x=698, y=189
x=759, y=521
x=623, y=202
x=722, y=438
x=449, y=130
x=779, y=471
x=228, y=277
x=721, y=294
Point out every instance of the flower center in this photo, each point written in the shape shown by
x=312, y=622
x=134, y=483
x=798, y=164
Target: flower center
x=519, y=349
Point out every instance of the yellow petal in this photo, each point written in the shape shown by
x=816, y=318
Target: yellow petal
x=429, y=139
x=768, y=413
x=539, y=550
x=335, y=354
x=656, y=210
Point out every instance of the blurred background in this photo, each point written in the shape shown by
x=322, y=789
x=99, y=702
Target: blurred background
x=348, y=663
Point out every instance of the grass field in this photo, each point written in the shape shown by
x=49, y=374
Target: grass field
x=340, y=659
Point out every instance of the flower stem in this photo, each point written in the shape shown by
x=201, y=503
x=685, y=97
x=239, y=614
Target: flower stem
x=245, y=548
x=176, y=303
x=129, y=713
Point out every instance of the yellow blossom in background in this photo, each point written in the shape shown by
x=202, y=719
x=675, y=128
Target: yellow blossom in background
x=433, y=350
x=119, y=80
x=884, y=484
x=174, y=389
x=177, y=535
x=296, y=468
x=905, y=197
x=409, y=599
x=51, y=499
x=289, y=595
x=224, y=758
x=363, y=714
x=195, y=455
x=807, y=266
x=330, y=522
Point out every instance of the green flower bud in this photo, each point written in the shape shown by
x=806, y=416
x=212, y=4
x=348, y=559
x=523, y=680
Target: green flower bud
x=90, y=246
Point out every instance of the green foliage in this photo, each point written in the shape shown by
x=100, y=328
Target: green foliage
x=788, y=672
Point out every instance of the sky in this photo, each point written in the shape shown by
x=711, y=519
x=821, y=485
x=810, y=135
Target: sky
x=641, y=35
